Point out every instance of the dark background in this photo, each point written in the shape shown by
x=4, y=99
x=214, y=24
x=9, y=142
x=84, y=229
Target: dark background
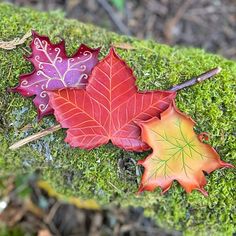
x=209, y=24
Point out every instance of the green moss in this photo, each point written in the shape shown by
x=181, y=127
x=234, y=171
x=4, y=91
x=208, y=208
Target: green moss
x=94, y=174
x=11, y=232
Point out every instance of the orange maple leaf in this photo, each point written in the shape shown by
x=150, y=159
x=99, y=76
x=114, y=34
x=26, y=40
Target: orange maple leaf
x=178, y=153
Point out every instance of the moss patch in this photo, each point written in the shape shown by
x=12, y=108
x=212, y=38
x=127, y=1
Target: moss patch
x=95, y=174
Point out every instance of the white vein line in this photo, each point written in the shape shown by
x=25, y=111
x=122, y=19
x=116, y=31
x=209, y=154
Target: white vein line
x=82, y=141
x=92, y=139
x=75, y=129
x=29, y=85
x=121, y=95
x=101, y=84
x=70, y=117
x=103, y=73
x=107, y=63
x=68, y=111
x=140, y=113
x=92, y=128
x=52, y=61
x=86, y=121
x=102, y=105
x=85, y=112
x=118, y=71
x=107, y=119
x=117, y=62
x=61, y=105
x=123, y=81
x=84, y=128
x=97, y=91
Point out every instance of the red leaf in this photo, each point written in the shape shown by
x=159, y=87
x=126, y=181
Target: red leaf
x=178, y=153
x=106, y=109
x=53, y=70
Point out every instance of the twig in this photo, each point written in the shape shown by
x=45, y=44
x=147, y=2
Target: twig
x=35, y=137
x=195, y=80
x=178, y=87
x=114, y=17
x=15, y=42
x=27, y=51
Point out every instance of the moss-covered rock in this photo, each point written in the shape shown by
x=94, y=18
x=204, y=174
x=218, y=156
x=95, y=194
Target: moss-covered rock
x=95, y=174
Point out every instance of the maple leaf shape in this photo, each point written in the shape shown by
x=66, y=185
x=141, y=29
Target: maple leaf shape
x=178, y=153
x=106, y=109
x=53, y=70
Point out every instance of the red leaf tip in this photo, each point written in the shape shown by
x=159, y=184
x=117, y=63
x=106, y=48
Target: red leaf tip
x=226, y=165
x=34, y=33
x=113, y=53
x=203, y=191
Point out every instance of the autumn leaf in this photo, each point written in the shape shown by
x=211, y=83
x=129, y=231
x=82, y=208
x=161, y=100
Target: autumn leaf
x=106, y=109
x=53, y=70
x=178, y=153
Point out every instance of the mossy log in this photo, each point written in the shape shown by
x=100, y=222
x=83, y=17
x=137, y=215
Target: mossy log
x=97, y=173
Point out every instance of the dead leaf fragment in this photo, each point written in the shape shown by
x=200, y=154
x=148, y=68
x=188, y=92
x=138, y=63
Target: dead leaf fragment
x=125, y=46
x=15, y=42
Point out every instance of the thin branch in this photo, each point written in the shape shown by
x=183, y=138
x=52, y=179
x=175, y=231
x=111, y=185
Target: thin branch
x=27, y=51
x=114, y=17
x=35, y=137
x=178, y=87
x=195, y=80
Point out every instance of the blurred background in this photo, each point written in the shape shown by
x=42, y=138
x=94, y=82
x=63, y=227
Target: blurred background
x=209, y=24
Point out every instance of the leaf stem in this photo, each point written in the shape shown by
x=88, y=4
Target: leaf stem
x=206, y=75
x=35, y=137
x=188, y=83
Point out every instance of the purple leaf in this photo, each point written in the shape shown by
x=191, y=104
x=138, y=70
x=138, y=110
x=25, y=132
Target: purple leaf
x=54, y=70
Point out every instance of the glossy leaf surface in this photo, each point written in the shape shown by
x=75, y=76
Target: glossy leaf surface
x=107, y=108
x=178, y=153
x=53, y=70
